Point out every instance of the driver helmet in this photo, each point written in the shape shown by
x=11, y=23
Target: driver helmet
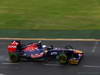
x=44, y=46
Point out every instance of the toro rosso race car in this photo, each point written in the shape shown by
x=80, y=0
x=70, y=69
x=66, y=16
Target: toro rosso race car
x=38, y=52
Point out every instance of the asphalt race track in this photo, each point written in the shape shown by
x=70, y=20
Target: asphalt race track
x=90, y=65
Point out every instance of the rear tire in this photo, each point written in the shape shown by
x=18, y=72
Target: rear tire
x=14, y=58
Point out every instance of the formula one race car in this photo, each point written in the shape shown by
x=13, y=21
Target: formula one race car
x=39, y=52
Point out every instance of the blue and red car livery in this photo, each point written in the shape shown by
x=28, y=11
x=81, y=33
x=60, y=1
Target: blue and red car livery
x=37, y=51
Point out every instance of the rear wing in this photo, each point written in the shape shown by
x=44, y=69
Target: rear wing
x=12, y=47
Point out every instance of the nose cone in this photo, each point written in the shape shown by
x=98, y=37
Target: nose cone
x=78, y=51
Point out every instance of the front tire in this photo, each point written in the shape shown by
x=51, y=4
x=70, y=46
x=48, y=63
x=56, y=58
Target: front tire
x=62, y=58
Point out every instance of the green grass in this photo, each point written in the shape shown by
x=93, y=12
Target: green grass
x=50, y=14
x=50, y=33
x=50, y=18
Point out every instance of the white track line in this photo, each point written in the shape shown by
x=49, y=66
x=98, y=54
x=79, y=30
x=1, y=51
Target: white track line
x=8, y=63
x=52, y=64
x=91, y=66
x=95, y=46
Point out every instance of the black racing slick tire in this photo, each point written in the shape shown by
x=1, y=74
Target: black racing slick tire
x=14, y=58
x=62, y=58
